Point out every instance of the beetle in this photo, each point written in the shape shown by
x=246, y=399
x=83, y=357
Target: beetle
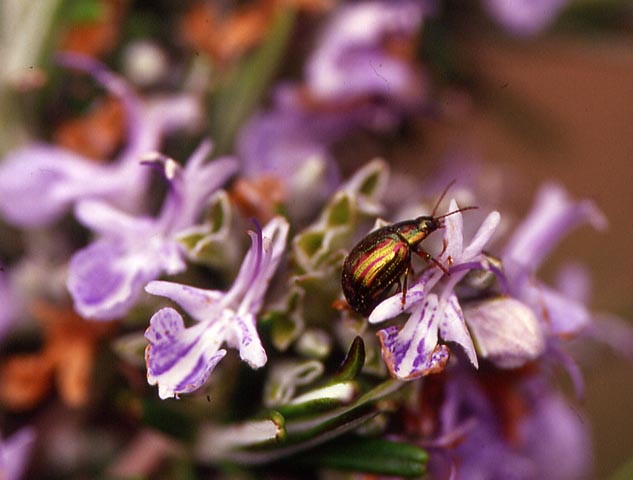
x=382, y=258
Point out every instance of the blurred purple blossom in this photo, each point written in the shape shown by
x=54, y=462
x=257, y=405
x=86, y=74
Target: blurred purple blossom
x=40, y=182
x=552, y=217
x=354, y=59
x=414, y=349
x=180, y=359
x=524, y=17
x=14, y=454
x=353, y=81
x=506, y=331
x=106, y=278
x=510, y=427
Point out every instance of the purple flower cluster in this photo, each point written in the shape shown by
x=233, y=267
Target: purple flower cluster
x=470, y=341
x=41, y=182
x=353, y=81
x=510, y=328
x=106, y=278
x=181, y=359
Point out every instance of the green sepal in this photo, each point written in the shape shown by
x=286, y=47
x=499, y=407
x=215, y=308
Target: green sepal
x=209, y=243
x=285, y=325
x=353, y=362
x=367, y=455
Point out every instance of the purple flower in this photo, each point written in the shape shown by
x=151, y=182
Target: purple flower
x=353, y=81
x=353, y=60
x=507, y=331
x=510, y=427
x=552, y=217
x=14, y=454
x=106, y=278
x=180, y=359
x=41, y=182
x=414, y=349
x=524, y=17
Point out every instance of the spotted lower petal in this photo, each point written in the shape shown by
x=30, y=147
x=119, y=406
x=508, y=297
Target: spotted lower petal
x=179, y=360
x=413, y=351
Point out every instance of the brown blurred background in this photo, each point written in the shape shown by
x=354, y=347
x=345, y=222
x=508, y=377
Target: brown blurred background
x=583, y=92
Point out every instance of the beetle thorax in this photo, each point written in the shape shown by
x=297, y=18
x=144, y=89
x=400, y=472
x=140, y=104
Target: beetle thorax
x=414, y=231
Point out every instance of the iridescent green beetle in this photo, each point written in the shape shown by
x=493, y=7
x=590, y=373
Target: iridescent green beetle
x=381, y=259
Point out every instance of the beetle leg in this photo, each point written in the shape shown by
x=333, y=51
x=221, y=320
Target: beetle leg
x=404, y=285
x=429, y=258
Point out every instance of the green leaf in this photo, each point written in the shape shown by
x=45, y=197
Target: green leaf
x=214, y=442
x=79, y=11
x=354, y=361
x=307, y=432
x=367, y=455
x=243, y=88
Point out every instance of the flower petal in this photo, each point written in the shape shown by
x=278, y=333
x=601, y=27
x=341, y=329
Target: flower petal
x=524, y=17
x=562, y=315
x=413, y=351
x=482, y=237
x=15, y=452
x=181, y=359
x=201, y=304
x=507, y=331
x=260, y=265
x=454, y=232
x=38, y=183
x=351, y=59
x=552, y=217
x=105, y=279
x=104, y=219
x=453, y=328
x=392, y=307
x=245, y=338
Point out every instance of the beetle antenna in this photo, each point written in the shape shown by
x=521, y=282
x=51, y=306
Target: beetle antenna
x=456, y=211
x=439, y=200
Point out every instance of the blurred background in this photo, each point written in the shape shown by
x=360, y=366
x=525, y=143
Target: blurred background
x=555, y=105
x=581, y=89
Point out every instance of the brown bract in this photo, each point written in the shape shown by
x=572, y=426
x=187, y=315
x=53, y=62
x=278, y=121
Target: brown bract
x=96, y=37
x=98, y=134
x=226, y=36
x=66, y=360
x=258, y=197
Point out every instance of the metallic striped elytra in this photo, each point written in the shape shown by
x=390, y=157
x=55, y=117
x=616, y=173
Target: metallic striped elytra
x=381, y=259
